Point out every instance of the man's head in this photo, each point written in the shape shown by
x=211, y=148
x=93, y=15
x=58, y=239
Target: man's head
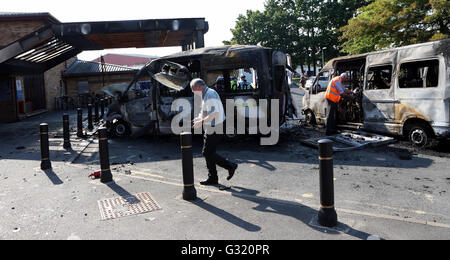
x=243, y=78
x=198, y=85
x=345, y=76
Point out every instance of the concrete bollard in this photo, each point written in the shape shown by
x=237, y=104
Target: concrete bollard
x=106, y=175
x=66, y=132
x=80, y=122
x=96, y=111
x=45, y=150
x=189, y=192
x=327, y=216
x=90, y=125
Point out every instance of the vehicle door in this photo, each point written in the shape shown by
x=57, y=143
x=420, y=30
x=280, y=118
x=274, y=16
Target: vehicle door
x=419, y=92
x=378, y=98
x=139, y=106
x=280, y=82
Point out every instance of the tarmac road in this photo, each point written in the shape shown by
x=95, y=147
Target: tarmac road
x=388, y=193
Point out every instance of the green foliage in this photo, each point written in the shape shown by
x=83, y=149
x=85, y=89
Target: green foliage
x=299, y=27
x=391, y=23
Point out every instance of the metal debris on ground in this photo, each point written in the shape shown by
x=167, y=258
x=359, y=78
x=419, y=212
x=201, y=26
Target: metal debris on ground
x=351, y=140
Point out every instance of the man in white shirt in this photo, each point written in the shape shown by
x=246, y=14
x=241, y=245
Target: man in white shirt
x=212, y=116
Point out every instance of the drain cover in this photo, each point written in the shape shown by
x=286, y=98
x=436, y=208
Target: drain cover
x=127, y=206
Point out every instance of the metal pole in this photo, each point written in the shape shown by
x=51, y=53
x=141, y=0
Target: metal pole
x=79, y=122
x=66, y=132
x=323, y=60
x=106, y=175
x=189, y=192
x=96, y=111
x=45, y=151
x=90, y=125
x=327, y=214
x=102, y=107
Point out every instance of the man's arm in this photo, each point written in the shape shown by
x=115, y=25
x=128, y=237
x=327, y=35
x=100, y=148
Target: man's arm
x=198, y=122
x=340, y=87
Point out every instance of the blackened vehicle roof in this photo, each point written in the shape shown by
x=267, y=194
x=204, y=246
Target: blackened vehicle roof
x=223, y=56
x=440, y=46
x=218, y=51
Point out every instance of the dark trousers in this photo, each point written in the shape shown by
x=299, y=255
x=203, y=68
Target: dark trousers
x=331, y=127
x=210, y=143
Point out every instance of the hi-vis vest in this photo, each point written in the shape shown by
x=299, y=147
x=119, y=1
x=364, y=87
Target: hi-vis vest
x=332, y=93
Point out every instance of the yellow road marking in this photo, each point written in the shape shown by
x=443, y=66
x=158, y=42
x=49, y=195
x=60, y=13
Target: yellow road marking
x=146, y=174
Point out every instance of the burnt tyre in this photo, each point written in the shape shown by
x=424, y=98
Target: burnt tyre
x=419, y=136
x=120, y=129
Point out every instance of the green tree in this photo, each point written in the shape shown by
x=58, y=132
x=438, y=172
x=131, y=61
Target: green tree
x=392, y=23
x=300, y=27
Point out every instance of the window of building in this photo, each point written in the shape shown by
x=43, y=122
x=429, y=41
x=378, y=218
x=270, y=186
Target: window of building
x=419, y=74
x=83, y=87
x=379, y=77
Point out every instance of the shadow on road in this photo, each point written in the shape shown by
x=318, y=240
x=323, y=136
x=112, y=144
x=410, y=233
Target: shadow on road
x=300, y=212
x=227, y=216
x=128, y=197
x=53, y=177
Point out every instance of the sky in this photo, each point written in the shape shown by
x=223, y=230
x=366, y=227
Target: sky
x=221, y=16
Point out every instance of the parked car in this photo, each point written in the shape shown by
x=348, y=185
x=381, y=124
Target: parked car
x=318, y=82
x=309, y=82
x=402, y=91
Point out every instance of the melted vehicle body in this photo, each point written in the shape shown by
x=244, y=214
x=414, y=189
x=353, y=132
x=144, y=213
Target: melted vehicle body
x=244, y=73
x=402, y=91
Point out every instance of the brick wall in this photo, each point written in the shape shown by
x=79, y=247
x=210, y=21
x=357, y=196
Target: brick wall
x=95, y=83
x=12, y=31
x=53, y=83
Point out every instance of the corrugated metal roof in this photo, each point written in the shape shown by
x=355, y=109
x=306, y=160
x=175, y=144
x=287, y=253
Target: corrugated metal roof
x=125, y=59
x=80, y=67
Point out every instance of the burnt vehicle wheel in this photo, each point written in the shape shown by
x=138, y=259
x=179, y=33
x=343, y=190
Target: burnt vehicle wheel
x=120, y=129
x=419, y=136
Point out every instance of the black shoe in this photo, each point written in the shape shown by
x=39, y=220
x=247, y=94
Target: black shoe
x=209, y=182
x=232, y=171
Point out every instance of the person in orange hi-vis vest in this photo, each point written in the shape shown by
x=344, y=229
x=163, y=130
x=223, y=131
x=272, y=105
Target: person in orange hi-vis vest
x=333, y=95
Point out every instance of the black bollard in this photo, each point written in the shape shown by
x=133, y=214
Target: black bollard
x=80, y=122
x=189, y=192
x=90, y=125
x=66, y=132
x=106, y=175
x=327, y=216
x=102, y=108
x=45, y=151
x=96, y=111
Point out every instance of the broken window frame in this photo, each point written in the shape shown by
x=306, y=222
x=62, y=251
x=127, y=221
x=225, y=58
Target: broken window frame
x=381, y=66
x=229, y=72
x=426, y=69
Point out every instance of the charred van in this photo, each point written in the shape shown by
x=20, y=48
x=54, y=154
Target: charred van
x=235, y=72
x=402, y=91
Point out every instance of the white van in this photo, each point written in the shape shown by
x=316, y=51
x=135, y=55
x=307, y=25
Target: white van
x=402, y=91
